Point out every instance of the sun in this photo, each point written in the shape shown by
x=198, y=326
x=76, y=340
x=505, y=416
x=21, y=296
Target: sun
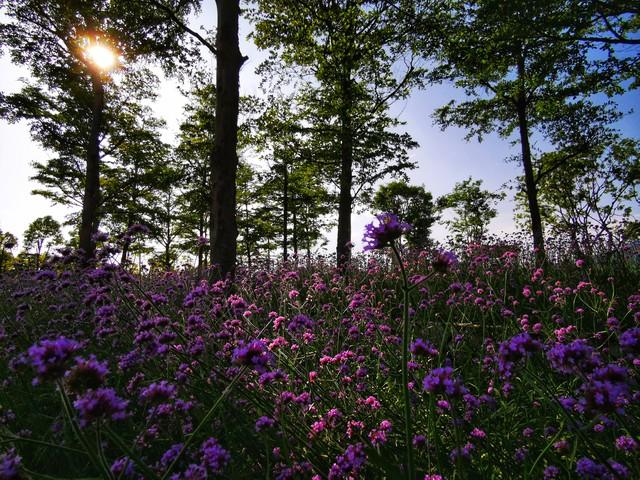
x=101, y=56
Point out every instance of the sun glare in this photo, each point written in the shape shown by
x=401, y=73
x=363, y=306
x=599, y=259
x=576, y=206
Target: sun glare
x=102, y=57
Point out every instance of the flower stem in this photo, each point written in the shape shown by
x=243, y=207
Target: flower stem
x=406, y=333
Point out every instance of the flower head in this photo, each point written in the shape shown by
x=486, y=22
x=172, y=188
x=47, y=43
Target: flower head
x=49, y=357
x=444, y=261
x=388, y=229
x=9, y=465
x=214, y=456
x=102, y=402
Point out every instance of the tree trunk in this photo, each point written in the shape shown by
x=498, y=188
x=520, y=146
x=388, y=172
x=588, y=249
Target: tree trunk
x=294, y=219
x=285, y=212
x=343, y=247
x=530, y=184
x=224, y=161
x=91, y=198
x=246, y=234
x=200, y=246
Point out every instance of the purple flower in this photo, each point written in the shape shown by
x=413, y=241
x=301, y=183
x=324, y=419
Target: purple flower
x=606, y=390
x=86, y=374
x=170, y=455
x=575, y=357
x=463, y=452
x=264, y=422
x=159, y=392
x=627, y=444
x=349, y=464
x=440, y=380
x=214, y=456
x=444, y=261
x=193, y=472
x=388, y=229
x=99, y=403
x=50, y=357
x=423, y=348
x=299, y=323
x=551, y=472
x=515, y=349
x=123, y=468
x=590, y=470
x=630, y=341
x=10, y=465
x=253, y=354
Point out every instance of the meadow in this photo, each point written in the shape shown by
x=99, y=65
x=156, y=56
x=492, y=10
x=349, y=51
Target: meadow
x=512, y=370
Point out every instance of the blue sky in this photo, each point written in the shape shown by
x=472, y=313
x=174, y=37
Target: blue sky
x=443, y=158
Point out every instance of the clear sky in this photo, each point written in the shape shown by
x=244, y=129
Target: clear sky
x=443, y=158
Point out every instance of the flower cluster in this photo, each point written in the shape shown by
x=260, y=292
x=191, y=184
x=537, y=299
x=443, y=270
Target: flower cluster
x=50, y=357
x=388, y=229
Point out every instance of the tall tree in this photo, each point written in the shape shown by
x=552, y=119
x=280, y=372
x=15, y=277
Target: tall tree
x=473, y=207
x=224, y=161
x=68, y=47
x=591, y=201
x=518, y=83
x=8, y=241
x=347, y=51
x=40, y=235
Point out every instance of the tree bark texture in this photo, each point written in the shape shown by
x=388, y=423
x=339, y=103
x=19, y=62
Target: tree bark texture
x=224, y=161
x=530, y=183
x=91, y=199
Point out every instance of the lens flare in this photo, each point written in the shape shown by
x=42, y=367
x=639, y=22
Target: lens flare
x=102, y=57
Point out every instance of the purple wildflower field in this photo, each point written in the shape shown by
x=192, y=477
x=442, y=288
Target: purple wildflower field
x=428, y=365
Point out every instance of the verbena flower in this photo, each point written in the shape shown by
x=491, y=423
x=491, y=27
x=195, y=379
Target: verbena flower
x=86, y=374
x=123, y=468
x=100, y=403
x=159, y=392
x=514, y=350
x=441, y=380
x=590, y=470
x=444, y=261
x=606, y=390
x=575, y=357
x=423, y=348
x=214, y=457
x=50, y=357
x=10, y=465
x=253, y=354
x=630, y=341
x=349, y=464
x=388, y=229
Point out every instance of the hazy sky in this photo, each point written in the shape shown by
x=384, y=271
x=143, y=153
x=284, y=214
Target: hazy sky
x=443, y=158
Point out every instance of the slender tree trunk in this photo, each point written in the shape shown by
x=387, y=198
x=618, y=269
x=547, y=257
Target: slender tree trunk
x=247, y=243
x=224, y=162
x=530, y=184
x=91, y=198
x=285, y=212
x=343, y=248
x=294, y=218
x=200, y=247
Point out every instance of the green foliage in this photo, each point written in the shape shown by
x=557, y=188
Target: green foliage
x=591, y=201
x=343, y=57
x=474, y=208
x=8, y=242
x=40, y=236
x=412, y=204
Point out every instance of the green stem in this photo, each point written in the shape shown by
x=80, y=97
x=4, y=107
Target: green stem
x=408, y=436
x=68, y=410
x=203, y=422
